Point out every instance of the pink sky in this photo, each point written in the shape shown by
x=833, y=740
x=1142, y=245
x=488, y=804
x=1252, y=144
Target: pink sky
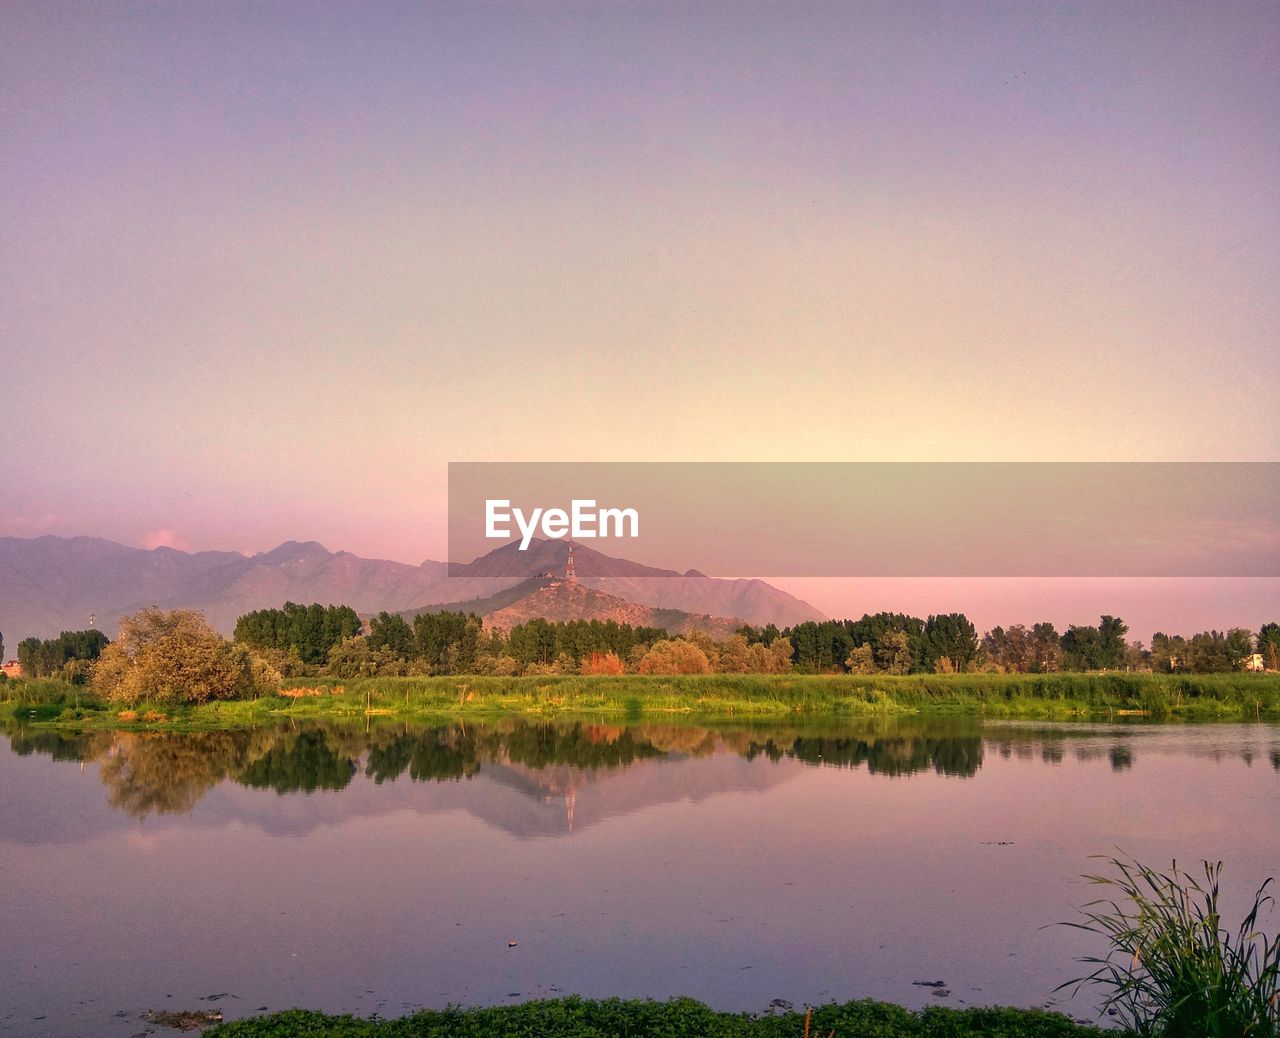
x=269, y=269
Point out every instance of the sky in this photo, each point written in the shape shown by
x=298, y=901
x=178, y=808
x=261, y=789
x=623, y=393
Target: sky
x=268, y=268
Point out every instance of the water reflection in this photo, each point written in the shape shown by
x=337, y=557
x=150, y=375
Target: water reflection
x=959, y=756
x=149, y=773
x=736, y=863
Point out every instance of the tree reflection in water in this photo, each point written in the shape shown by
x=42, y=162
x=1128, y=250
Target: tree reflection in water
x=164, y=772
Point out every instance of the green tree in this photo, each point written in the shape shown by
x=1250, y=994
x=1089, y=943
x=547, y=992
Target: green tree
x=311, y=631
x=950, y=636
x=1269, y=645
x=1046, y=649
x=47, y=658
x=1095, y=648
x=1112, y=644
x=390, y=631
x=1168, y=652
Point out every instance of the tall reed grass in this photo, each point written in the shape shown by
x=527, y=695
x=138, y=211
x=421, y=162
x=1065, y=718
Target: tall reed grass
x=1174, y=970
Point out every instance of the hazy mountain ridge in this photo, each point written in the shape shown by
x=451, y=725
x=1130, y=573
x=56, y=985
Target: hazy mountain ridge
x=561, y=601
x=753, y=600
x=49, y=584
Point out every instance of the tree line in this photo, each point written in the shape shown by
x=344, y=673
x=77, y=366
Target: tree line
x=69, y=656
x=877, y=643
x=177, y=657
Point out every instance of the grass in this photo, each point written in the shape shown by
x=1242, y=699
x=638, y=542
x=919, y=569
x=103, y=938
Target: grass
x=44, y=692
x=712, y=696
x=678, y=1018
x=1173, y=968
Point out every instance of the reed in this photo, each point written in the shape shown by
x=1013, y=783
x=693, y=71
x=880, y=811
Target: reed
x=1173, y=969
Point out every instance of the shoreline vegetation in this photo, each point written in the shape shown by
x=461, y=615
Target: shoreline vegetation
x=678, y=1018
x=702, y=697
x=171, y=669
x=1173, y=970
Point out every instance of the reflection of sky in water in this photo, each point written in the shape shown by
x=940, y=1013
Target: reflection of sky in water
x=359, y=872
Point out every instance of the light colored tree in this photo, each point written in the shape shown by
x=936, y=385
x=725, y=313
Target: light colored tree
x=675, y=656
x=735, y=655
x=893, y=652
x=780, y=652
x=601, y=663
x=177, y=657
x=352, y=658
x=861, y=660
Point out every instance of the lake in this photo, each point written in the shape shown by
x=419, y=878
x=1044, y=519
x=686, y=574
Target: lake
x=383, y=870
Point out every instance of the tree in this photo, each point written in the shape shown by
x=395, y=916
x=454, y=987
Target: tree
x=28, y=650
x=675, y=656
x=1269, y=645
x=602, y=663
x=177, y=657
x=1111, y=635
x=1011, y=651
x=435, y=633
x=1046, y=649
x=311, y=630
x=43, y=659
x=1136, y=657
x=1204, y=653
x=390, y=631
x=1216, y=652
x=1168, y=652
x=861, y=660
x=949, y=635
x=1095, y=648
x=780, y=656
x=892, y=652
x=351, y=658
x=734, y=655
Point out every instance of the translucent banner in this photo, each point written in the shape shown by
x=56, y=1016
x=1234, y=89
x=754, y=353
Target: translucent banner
x=832, y=519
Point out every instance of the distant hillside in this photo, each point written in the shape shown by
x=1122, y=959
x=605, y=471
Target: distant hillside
x=50, y=584
x=692, y=592
x=562, y=601
x=486, y=605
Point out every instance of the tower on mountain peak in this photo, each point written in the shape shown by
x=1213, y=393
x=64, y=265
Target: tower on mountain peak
x=570, y=577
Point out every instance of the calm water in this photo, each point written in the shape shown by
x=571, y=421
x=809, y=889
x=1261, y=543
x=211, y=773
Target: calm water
x=387, y=870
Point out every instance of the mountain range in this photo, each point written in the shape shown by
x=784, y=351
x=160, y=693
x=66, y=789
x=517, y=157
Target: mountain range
x=561, y=600
x=49, y=584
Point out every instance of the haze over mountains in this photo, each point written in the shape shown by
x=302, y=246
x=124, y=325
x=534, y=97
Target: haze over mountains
x=561, y=601
x=50, y=584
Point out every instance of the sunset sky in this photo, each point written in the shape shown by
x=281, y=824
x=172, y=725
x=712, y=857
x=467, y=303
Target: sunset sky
x=269, y=268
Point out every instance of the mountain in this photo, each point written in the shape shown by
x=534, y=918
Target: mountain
x=559, y=600
x=49, y=584
x=755, y=601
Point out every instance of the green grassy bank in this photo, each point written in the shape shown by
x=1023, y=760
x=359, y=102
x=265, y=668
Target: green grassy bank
x=679, y=1018
x=631, y=697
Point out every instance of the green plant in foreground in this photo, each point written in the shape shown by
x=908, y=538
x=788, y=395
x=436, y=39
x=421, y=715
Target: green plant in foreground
x=574, y=1017
x=1173, y=969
